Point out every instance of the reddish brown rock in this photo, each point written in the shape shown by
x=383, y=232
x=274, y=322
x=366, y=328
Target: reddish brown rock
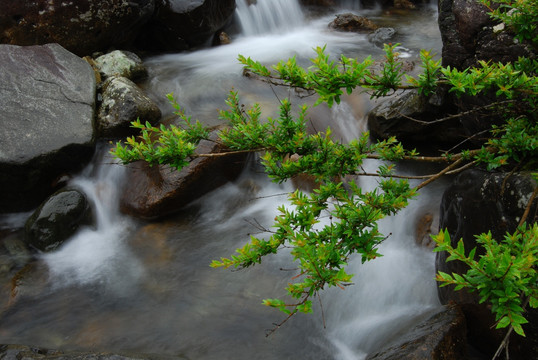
x=156, y=191
x=352, y=23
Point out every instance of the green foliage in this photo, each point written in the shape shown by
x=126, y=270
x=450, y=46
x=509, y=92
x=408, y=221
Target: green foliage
x=325, y=228
x=518, y=15
x=505, y=275
x=161, y=145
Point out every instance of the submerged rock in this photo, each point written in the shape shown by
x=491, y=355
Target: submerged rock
x=123, y=103
x=47, y=99
x=9, y=352
x=57, y=219
x=155, y=191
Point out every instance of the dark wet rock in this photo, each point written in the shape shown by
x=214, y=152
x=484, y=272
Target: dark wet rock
x=410, y=117
x=381, y=36
x=23, y=352
x=183, y=24
x=468, y=35
x=47, y=99
x=476, y=202
x=121, y=63
x=161, y=190
x=82, y=26
x=440, y=337
x=124, y=102
x=57, y=219
x=352, y=23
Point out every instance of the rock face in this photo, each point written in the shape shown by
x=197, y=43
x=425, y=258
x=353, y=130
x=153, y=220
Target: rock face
x=394, y=117
x=81, y=26
x=182, y=24
x=440, y=337
x=477, y=202
x=47, y=99
x=352, y=23
x=57, y=219
x=161, y=190
x=123, y=103
x=468, y=36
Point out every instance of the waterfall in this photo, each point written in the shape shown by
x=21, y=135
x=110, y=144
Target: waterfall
x=268, y=16
x=94, y=255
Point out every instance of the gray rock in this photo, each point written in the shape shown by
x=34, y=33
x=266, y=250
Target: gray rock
x=396, y=117
x=57, y=219
x=47, y=101
x=123, y=102
x=440, y=337
x=381, y=36
x=121, y=63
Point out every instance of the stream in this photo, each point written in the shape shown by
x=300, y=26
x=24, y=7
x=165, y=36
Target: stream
x=146, y=287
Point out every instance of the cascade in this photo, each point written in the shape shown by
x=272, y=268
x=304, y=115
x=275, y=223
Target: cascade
x=97, y=254
x=143, y=287
x=268, y=16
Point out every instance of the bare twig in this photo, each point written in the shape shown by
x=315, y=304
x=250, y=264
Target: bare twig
x=528, y=208
x=439, y=174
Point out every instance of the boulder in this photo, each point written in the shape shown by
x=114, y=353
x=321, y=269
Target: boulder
x=57, y=219
x=411, y=118
x=183, y=24
x=124, y=102
x=47, y=102
x=381, y=36
x=468, y=36
x=121, y=63
x=82, y=26
x=439, y=337
x=478, y=201
x=155, y=191
x=352, y=23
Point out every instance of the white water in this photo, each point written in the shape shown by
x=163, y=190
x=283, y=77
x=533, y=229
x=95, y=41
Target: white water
x=98, y=255
x=269, y=16
x=148, y=288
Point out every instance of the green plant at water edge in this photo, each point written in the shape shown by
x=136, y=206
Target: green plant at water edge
x=505, y=275
x=321, y=249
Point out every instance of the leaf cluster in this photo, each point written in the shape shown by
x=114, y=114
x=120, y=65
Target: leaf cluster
x=505, y=275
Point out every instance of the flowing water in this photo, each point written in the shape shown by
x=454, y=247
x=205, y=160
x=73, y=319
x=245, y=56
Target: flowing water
x=131, y=286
